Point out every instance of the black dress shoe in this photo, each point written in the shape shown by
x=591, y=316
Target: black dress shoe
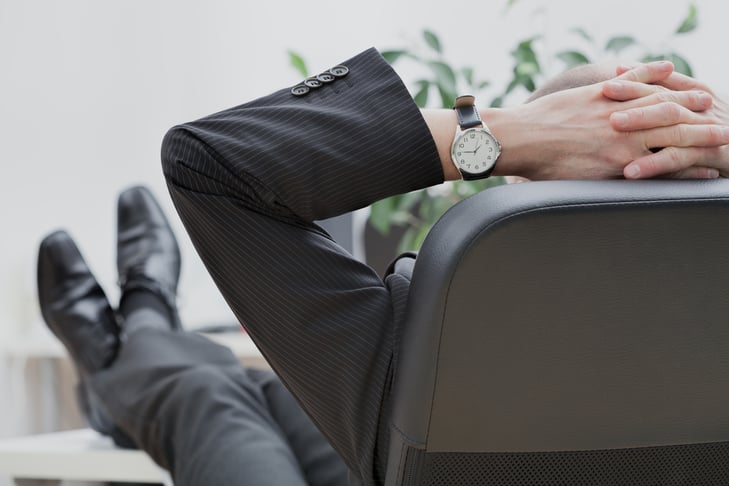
x=74, y=306
x=77, y=311
x=147, y=253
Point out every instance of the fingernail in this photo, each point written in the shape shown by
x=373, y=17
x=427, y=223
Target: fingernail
x=632, y=171
x=664, y=65
x=725, y=133
x=712, y=173
x=620, y=119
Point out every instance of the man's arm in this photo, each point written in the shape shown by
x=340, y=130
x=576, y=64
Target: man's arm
x=335, y=149
x=248, y=182
x=564, y=132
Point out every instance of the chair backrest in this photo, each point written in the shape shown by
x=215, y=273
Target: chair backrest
x=569, y=333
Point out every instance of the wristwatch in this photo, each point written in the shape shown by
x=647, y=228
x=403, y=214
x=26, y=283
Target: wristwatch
x=475, y=150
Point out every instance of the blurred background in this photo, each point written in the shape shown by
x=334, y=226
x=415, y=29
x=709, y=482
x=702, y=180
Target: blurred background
x=88, y=88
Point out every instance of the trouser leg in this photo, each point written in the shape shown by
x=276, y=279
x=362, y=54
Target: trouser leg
x=191, y=406
x=321, y=465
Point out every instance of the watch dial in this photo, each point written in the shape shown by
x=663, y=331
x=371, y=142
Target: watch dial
x=475, y=151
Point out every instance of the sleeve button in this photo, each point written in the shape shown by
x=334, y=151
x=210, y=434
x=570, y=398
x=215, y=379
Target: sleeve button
x=299, y=90
x=312, y=82
x=326, y=77
x=339, y=71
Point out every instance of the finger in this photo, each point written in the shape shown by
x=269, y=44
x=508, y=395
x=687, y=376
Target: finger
x=618, y=90
x=676, y=81
x=662, y=114
x=672, y=160
x=695, y=100
x=683, y=135
x=649, y=73
x=694, y=173
x=681, y=82
x=627, y=67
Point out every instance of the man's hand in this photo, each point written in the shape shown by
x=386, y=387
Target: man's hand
x=682, y=157
x=569, y=134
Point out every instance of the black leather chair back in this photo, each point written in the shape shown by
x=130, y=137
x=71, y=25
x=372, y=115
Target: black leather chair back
x=569, y=333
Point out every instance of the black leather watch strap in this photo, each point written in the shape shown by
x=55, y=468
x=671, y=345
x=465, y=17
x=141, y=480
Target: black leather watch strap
x=466, y=111
x=467, y=176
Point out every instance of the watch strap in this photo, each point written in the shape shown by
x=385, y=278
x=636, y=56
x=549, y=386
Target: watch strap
x=466, y=112
x=467, y=176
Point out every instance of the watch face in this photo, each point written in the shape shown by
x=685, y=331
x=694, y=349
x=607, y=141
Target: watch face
x=475, y=151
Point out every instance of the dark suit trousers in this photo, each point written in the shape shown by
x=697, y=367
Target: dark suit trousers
x=248, y=182
x=190, y=404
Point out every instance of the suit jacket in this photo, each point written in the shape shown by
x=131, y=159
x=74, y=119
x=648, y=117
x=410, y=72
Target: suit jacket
x=248, y=182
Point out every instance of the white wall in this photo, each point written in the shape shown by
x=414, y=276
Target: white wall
x=89, y=87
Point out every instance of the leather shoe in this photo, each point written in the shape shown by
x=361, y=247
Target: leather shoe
x=74, y=306
x=148, y=256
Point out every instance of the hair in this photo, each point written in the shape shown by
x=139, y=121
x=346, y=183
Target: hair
x=574, y=78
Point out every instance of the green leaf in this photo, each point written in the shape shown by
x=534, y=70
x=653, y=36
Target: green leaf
x=432, y=208
x=420, y=237
x=463, y=189
x=572, y=58
x=681, y=64
x=690, y=22
x=297, y=62
x=399, y=218
x=393, y=55
x=583, y=33
x=380, y=212
x=432, y=40
x=484, y=84
x=618, y=43
x=468, y=75
x=528, y=83
x=421, y=96
x=497, y=102
x=524, y=52
x=526, y=69
x=513, y=84
x=407, y=241
x=447, y=97
x=653, y=57
x=445, y=80
x=411, y=199
x=443, y=73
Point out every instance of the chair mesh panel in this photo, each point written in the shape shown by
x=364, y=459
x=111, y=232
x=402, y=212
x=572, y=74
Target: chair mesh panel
x=692, y=464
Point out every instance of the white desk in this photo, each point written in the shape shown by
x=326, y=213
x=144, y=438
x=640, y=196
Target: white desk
x=76, y=455
x=42, y=346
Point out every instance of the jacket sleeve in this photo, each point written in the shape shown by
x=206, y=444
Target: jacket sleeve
x=337, y=148
x=248, y=183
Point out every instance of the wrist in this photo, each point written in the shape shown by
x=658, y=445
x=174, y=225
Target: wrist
x=504, y=123
x=442, y=124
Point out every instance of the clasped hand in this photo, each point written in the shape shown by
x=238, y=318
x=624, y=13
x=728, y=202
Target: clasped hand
x=646, y=121
x=693, y=133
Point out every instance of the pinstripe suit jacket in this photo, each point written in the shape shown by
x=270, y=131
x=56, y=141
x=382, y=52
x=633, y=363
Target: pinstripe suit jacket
x=249, y=181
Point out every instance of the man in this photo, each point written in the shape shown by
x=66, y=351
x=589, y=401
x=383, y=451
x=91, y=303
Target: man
x=249, y=181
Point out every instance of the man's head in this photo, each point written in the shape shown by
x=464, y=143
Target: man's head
x=574, y=78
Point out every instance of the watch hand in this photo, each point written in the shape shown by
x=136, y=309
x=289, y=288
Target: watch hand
x=477, y=149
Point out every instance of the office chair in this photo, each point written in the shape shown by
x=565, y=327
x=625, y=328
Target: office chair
x=568, y=333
